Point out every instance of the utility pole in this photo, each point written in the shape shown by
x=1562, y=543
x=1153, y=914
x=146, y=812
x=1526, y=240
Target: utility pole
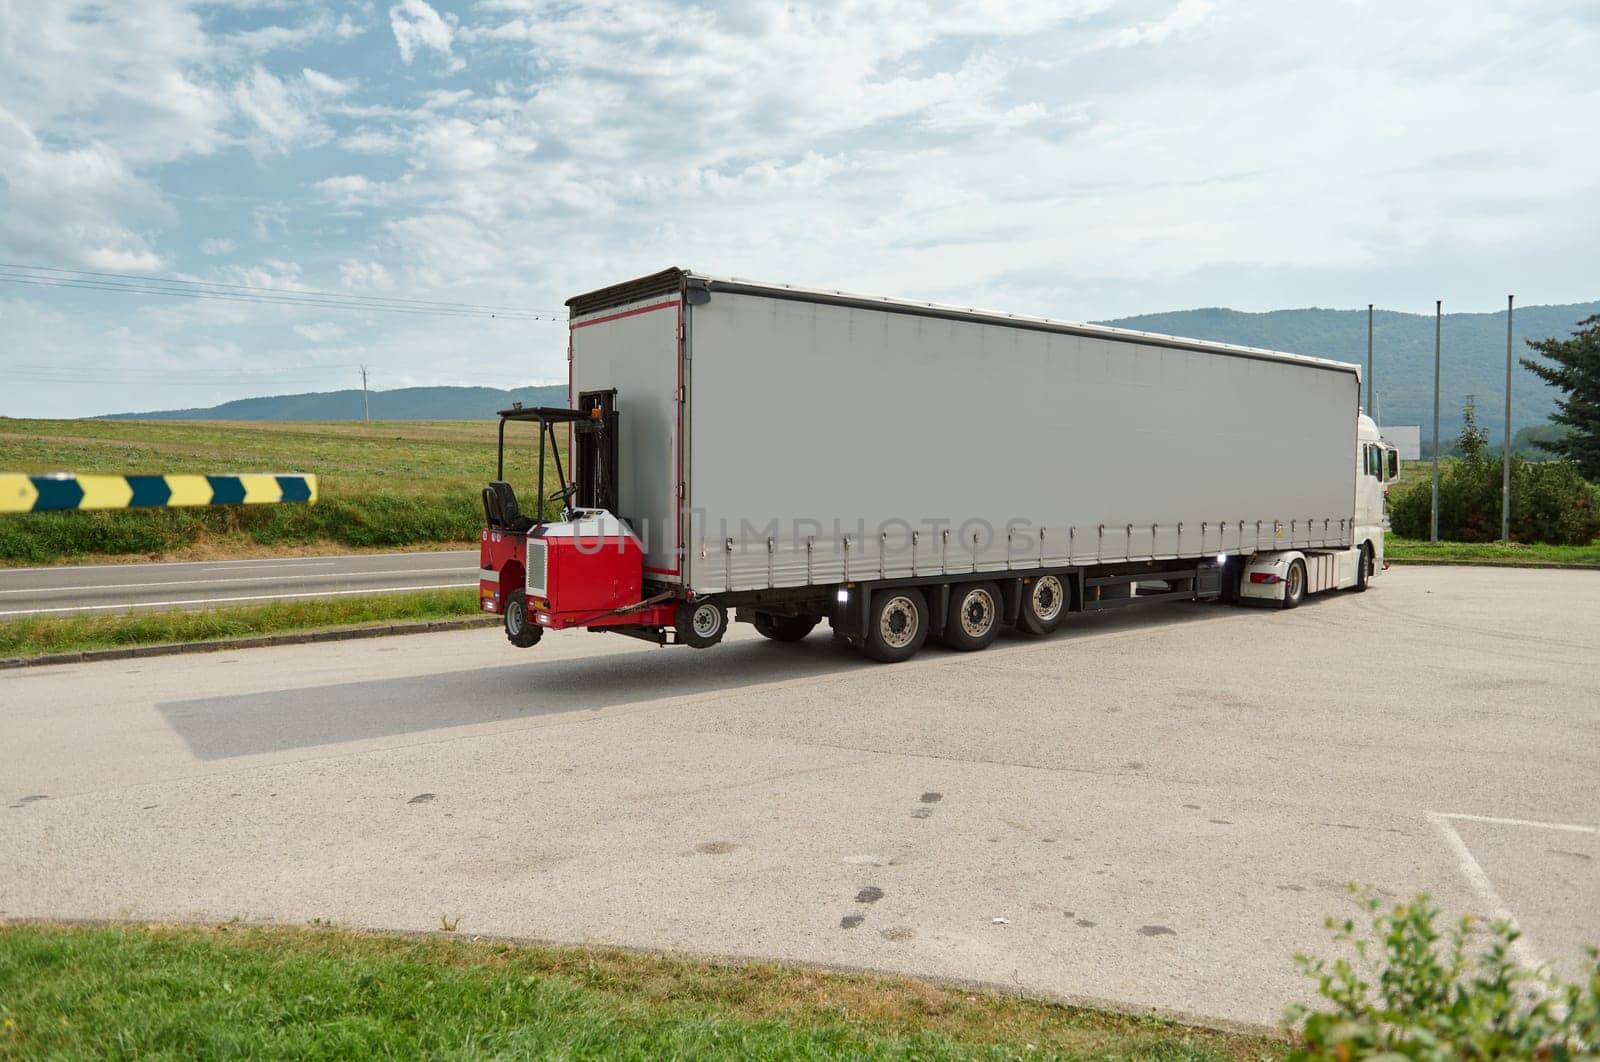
x=366, y=417
x=1505, y=464
x=1371, y=409
x=1433, y=516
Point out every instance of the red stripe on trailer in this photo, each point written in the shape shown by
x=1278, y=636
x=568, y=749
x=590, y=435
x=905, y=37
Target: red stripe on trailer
x=629, y=313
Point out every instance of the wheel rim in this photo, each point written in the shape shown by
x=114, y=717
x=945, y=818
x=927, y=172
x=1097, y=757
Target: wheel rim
x=1048, y=597
x=977, y=612
x=1295, y=580
x=898, y=623
x=516, y=617
x=705, y=621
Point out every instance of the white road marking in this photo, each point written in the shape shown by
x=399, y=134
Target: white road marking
x=228, y=566
x=200, y=564
x=251, y=579
x=253, y=597
x=1518, y=822
x=1473, y=872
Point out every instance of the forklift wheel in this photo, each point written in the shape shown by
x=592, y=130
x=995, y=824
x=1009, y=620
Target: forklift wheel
x=701, y=624
x=519, y=631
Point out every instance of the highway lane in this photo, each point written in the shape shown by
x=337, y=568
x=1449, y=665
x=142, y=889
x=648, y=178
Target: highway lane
x=1155, y=808
x=200, y=584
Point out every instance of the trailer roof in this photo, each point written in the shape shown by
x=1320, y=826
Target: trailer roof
x=670, y=280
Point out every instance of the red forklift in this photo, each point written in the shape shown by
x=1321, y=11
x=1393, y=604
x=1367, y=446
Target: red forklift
x=585, y=569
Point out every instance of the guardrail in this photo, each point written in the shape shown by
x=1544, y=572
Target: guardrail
x=66, y=491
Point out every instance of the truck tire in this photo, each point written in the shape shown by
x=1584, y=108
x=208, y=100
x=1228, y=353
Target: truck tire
x=1044, y=603
x=700, y=624
x=783, y=628
x=520, y=632
x=897, y=624
x=1364, y=572
x=1294, y=585
x=974, y=617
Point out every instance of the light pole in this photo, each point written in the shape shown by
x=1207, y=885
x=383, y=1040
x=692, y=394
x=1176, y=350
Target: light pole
x=1433, y=516
x=1505, y=464
x=1371, y=409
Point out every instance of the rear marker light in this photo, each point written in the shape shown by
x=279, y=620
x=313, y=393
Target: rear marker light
x=844, y=595
x=1263, y=577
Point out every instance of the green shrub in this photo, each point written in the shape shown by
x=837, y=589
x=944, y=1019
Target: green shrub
x=1441, y=996
x=1550, y=503
x=1550, y=500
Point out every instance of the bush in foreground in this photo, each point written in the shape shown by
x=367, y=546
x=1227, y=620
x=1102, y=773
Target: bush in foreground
x=1440, y=996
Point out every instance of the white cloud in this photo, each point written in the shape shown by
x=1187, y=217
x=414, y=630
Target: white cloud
x=319, y=332
x=418, y=26
x=288, y=112
x=217, y=245
x=1186, y=15
x=324, y=85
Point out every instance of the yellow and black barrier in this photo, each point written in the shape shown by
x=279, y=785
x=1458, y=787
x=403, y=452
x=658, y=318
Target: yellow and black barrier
x=66, y=491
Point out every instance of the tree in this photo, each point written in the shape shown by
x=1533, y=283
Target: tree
x=1473, y=440
x=1576, y=372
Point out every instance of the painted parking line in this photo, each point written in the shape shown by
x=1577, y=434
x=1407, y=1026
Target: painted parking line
x=1493, y=821
x=1473, y=871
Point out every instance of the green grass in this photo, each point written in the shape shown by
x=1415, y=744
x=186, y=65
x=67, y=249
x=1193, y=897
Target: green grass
x=34, y=635
x=382, y=485
x=1401, y=550
x=230, y=992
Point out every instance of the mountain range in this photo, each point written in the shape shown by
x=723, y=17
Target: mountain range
x=1473, y=353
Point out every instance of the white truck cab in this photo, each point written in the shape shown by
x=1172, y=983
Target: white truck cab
x=1286, y=576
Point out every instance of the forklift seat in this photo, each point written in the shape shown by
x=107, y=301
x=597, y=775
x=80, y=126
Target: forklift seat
x=501, y=511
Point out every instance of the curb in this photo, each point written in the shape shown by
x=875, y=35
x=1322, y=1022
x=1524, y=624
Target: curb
x=333, y=634
x=1439, y=562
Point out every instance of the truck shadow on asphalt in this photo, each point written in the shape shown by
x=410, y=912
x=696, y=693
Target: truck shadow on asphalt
x=217, y=728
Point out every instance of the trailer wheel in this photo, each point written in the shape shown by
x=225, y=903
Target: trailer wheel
x=974, y=617
x=1044, y=602
x=701, y=624
x=1294, y=585
x=1364, y=572
x=897, y=625
x=520, y=632
x=783, y=628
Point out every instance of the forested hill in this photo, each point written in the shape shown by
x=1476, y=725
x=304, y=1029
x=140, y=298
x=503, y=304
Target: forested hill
x=406, y=403
x=1474, y=353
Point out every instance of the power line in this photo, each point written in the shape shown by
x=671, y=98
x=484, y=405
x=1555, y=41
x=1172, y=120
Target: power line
x=448, y=304
x=264, y=298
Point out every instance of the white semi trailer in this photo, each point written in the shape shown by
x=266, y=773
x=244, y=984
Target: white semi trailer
x=907, y=470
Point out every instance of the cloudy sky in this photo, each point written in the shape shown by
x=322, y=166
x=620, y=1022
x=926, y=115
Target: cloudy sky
x=1082, y=159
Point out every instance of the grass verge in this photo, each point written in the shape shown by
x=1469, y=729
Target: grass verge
x=1400, y=550
x=35, y=635
x=224, y=991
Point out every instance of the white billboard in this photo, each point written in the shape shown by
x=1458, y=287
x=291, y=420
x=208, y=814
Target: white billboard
x=1407, y=438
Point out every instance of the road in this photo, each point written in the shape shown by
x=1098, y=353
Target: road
x=198, y=584
x=1156, y=809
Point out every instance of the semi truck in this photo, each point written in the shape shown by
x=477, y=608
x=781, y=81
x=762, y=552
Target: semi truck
x=907, y=471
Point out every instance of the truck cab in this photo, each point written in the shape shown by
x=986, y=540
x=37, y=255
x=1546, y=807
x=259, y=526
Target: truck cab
x=1286, y=576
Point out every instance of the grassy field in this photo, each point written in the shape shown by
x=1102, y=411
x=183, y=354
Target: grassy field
x=225, y=992
x=1401, y=550
x=37, y=635
x=383, y=485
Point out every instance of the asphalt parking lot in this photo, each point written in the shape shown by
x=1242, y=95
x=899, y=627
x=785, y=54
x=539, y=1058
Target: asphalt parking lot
x=1154, y=808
